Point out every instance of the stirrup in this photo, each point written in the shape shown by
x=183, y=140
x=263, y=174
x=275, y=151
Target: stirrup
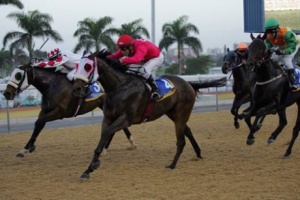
x=155, y=95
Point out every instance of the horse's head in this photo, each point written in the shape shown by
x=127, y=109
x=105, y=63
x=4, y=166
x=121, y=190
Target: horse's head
x=86, y=73
x=18, y=82
x=229, y=62
x=257, y=52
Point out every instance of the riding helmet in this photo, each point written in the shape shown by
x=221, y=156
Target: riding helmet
x=124, y=40
x=242, y=46
x=271, y=24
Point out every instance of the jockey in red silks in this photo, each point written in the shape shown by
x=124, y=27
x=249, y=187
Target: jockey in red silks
x=69, y=61
x=142, y=57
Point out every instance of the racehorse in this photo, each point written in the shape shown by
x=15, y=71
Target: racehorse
x=244, y=80
x=271, y=93
x=127, y=100
x=58, y=101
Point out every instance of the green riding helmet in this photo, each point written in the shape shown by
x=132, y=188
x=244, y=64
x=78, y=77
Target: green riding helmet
x=271, y=24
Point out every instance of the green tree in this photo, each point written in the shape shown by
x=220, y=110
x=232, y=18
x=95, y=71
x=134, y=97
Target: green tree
x=6, y=62
x=199, y=65
x=179, y=31
x=19, y=57
x=94, y=33
x=35, y=25
x=135, y=29
x=12, y=2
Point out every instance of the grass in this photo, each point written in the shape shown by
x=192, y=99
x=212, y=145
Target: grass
x=16, y=113
x=289, y=18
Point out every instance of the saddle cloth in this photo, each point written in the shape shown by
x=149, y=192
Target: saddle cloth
x=95, y=91
x=166, y=87
x=297, y=77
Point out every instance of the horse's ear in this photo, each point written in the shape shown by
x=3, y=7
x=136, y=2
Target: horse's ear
x=228, y=50
x=264, y=36
x=252, y=36
x=84, y=52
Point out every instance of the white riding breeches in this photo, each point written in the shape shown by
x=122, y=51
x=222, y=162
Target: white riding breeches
x=145, y=69
x=286, y=60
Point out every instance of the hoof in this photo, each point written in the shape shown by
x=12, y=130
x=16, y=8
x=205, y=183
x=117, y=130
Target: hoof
x=19, y=155
x=84, y=177
x=250, y=141
x=170, y=167
x=285, y=157
x=197, y=158
x=270, y=141
x=237, y=125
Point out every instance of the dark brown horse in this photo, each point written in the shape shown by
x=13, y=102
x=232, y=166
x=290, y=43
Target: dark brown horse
x=271, y=93
x=58, y=101
x=244, y=80
x=127, y=100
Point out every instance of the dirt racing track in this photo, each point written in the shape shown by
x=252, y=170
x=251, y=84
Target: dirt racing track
x=230, y=169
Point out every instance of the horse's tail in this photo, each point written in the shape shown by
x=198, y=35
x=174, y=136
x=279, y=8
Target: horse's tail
x=209, y=83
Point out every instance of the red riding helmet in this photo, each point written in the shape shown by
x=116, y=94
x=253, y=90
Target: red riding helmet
x=124, y=40
x=53, y=54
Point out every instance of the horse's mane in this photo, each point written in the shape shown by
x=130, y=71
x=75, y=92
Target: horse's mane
x=103, y=55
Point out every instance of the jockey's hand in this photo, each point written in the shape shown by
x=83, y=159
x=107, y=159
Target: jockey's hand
x=274, y=49
x=114, y=61
x=279, y=52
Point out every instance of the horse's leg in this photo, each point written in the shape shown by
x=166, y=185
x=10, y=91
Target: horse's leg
x=38, y=127
x=282, y=123
x=180, y=132
x=261, y=121
x=188, y=133
x=259, y=114
x=237, y=103
x=295, y=134
x=106, y=133
x=129, y=137
x=234, y=111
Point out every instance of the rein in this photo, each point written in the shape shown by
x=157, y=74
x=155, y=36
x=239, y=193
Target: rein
x=269, y=81
x=272, y=79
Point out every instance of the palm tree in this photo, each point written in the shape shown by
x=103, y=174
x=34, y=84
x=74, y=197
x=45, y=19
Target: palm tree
x=35, y=25
x=12, y=2
x=135, y=29
x=93, y=33
x=179, y=32
x=19, y=57
x=6, y=62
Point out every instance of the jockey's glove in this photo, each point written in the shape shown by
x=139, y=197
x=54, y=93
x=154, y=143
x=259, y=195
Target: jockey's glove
x=115, y=61
x=279, y=52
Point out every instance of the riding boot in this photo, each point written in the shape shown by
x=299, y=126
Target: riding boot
x=155, y=91
x=292, y=79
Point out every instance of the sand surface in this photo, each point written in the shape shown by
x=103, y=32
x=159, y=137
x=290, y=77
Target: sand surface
x=230, y=169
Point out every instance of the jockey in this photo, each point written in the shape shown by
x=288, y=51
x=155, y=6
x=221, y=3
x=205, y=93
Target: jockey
x=242, y=53
x=287, y=43
x=142, y=57
x=56, y=58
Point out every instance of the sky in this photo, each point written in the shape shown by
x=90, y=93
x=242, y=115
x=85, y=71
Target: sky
x=219, y=22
